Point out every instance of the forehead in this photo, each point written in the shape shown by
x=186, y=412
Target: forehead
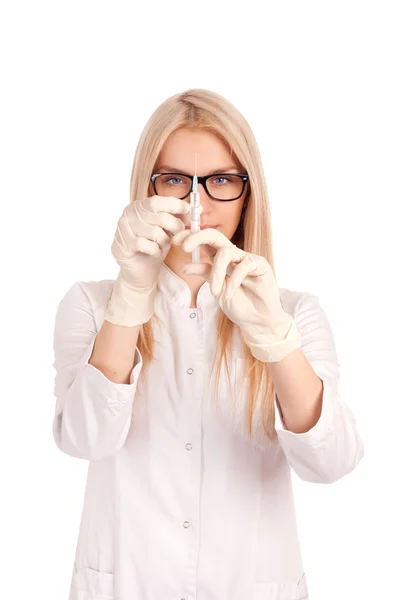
x=180, y=148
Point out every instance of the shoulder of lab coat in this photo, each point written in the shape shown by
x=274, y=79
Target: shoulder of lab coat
x=333, y=447
x=92, y=414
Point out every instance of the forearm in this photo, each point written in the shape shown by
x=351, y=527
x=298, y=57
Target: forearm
x=114, y=351
x=299, y=391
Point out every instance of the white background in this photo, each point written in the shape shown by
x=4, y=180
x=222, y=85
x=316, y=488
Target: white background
x=319, y=84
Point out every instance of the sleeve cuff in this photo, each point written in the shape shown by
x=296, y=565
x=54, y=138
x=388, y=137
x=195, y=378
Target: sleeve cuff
x=98, y=377
x=324, y=426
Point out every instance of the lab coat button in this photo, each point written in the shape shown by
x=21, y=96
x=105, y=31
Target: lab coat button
x=188, y=446
x=189, y=371
x=186, y=524
x=192, y=315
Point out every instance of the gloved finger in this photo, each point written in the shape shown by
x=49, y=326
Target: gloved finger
x=211, y=237
x=261, y=265
x=187, y=217
x=133, y=225
x=180, y=237
x=222, y=260
x=169, y=223
x=168, y=204
x=203, y=269
x=146, y=246
x=239, y=274
x=137, y=244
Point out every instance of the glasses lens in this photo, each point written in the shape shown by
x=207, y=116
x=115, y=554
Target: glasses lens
x=172, y=185
x=225, y=187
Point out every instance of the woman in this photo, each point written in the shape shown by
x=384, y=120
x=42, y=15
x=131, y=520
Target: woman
x=194, y=388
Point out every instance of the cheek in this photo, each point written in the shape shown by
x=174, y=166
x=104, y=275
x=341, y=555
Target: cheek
x=230, y=217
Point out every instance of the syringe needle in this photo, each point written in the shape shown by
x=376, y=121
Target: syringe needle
x=195, y=182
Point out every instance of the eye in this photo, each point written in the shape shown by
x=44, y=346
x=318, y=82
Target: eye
x=170, y=179
x=217, y=180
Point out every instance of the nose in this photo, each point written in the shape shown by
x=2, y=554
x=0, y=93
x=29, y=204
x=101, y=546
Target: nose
x=205, y=199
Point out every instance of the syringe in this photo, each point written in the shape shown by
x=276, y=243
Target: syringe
x=195, y=211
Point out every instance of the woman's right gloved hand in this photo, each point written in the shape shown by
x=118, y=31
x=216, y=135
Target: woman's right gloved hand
x=142, y=241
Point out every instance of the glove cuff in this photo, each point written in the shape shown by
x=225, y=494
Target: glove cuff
x=266, y=350
x=130, y=307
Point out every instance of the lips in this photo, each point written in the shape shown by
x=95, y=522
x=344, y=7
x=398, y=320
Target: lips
x=204, y=226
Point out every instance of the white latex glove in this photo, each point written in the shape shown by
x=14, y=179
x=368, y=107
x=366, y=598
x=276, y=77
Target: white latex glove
x=247, y=292
x=141, y=243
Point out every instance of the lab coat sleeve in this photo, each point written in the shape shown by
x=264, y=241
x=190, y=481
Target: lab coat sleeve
x=333, y=447
x=92, y=414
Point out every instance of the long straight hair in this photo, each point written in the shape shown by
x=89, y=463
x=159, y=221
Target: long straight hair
x=203, y=109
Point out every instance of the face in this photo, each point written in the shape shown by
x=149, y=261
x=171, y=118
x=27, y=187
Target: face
x=177, y=156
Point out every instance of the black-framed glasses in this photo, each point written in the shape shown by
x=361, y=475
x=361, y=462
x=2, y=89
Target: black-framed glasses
x=219, y=186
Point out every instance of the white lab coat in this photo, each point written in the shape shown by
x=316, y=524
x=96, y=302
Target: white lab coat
x=180, y=504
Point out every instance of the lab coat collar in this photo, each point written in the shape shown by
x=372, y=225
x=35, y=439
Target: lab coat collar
x=170, y=284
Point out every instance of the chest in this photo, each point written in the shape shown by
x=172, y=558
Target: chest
x=182, y=390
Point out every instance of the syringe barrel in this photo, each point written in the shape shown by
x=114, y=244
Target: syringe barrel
x=195, y=210
x=195, y=221
x=195, y=199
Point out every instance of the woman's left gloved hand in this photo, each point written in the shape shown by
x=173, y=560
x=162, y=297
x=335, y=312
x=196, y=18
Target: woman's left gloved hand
x=247, y=292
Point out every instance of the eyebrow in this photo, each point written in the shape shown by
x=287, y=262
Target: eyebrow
x=214, y=172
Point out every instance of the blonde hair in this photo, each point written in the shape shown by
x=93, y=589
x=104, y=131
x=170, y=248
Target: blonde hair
x=207, y=110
